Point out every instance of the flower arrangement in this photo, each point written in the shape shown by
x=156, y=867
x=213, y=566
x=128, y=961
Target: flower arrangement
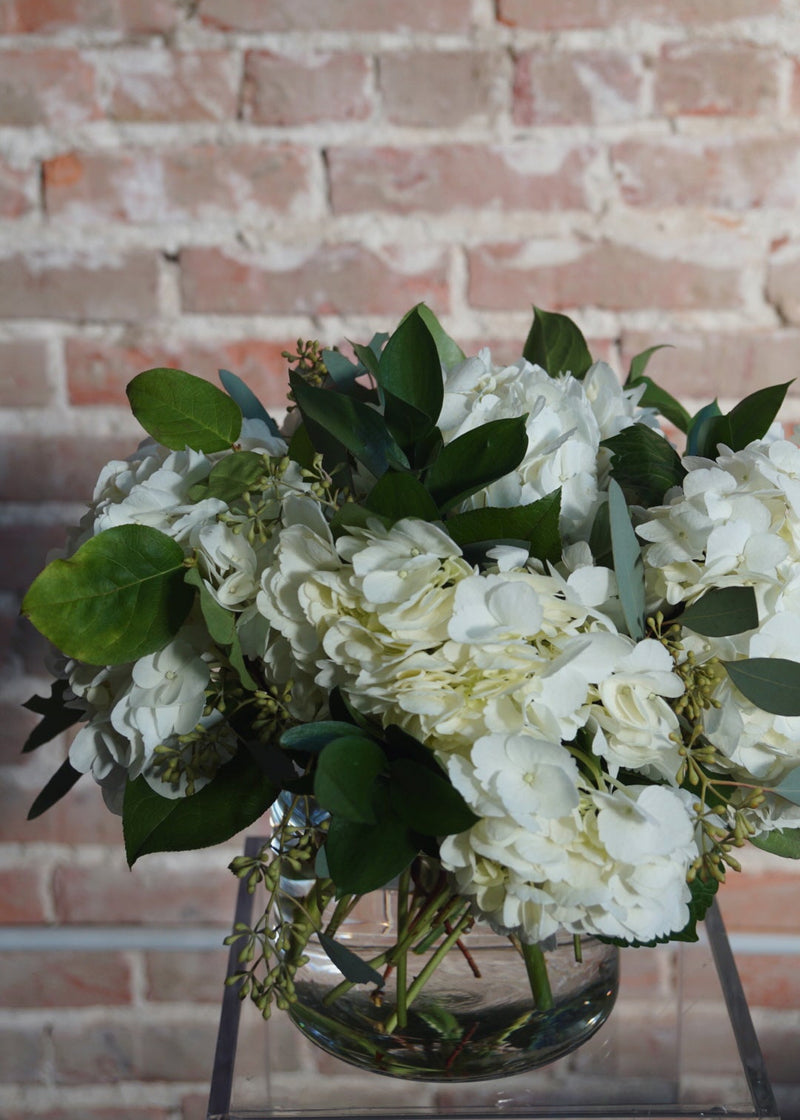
x=479, y=630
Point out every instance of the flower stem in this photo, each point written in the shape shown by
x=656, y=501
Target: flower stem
x=536, y=967
x=401, y=963
x=430, y=967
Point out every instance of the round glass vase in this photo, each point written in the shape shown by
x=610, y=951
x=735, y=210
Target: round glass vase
x=473, y=1018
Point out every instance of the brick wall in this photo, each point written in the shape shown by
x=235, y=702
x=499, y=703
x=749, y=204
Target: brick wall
x=198, y=183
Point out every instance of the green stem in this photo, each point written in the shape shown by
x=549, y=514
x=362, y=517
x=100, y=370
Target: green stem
x=430, y=967
x=401, y=964
x=536, y=967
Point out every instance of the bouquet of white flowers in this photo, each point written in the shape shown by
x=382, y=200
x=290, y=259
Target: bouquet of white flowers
x=480, y=630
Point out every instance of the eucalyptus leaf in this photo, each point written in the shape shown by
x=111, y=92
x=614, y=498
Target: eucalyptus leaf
x=536, y=524
x=399, y=494
x=410, y=368
x=771, y=683
x=344, y=780
x=60, y=784
x=557, y=345
x=56, y=716
x=780, y=842
x=249, y=404
x=628, y=564
x=427, y=802
x=476, y=459
x=120, y=596
x=312, y=737
x=790, y=787
x=341, y=370
x=722, y=611
x=232, y=476
x=644, y=464
x=351, y=966
x=365, y=857
x=238, y=794
x=181, y=410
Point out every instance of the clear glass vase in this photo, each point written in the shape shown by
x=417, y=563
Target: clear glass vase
x=473, y=1018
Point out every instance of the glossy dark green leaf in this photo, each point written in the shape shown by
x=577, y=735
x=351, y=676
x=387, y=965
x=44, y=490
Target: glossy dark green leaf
x=450, y=353
x=233, y=475
x=771, y=683
x=341, y=370
x=56, y=717
x=399, y=494
x=410, y=368
x=59, y=785
x=557, y=345
x=427, y=802
x=476, y=459
x=628, y=564
x=654, y=396
x=181, y=410
x=354, y=425
x=780, y=842
x=749, y=420
x=238, y=794
x=644, y=464
x=722, y=611
x=312, y=737
x=535, y=524
x=365, y=857
x=344, y=780
x=120, y=596
x=351, y=966
x=639, y=364
x=697, y=435
x=351, y=515
x=249, y=404
x=367, y=357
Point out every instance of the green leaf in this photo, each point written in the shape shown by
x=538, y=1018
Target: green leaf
x=427, y=802
x=220, y=622
x=249, y=404
x=354, y=516
x=749, y=420
x=231, y=477
x=236, y=658
x=345, y=777
x=399, y=494
x=789, y=788
x=780, y=842
x=122, y=595
x=56, y=717
x=644, y=464
x=450, y=353
x=351, y=966
x=476, y=459
x=410, y=368
x=628, y=564
x=365, y=857
x=722, y=611
x=181, y=410
x=771, y=683
x=237, y=795
x=356, y=426
x=696, y=437
x=313, y=737
x=369, y=360
x=535, y=524
x=654, y=396
x=639, y=364
x=60, y=784
x=556, y=344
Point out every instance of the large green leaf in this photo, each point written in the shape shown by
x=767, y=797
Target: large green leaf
x=120, y=596
x=450, y=353
x=249, y=404
x=771, y=683
x=628, y=564
x=238, y=794
x=365, y=857
x=351, y=966
x=181, y=410
x=476, y=459
x=231, y=477
x=354, y=425
x=557, y=345
x=644, y=464
x=56, y=717
x=535, y=524
x=722, y=611
x=344, y=782
x=60, y=784
x=702, y=421
x=780, y=842
x=313, y=737
x=410, y=368
x=399, y=494
x=654, y=396
x=749, y=420
x=427, y=802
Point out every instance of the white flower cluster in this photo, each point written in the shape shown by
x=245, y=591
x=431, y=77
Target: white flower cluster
x=736, y=521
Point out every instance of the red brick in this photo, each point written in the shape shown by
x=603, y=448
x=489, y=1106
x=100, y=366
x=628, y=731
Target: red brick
x=54, y=87
x=736, y=174
x=137, y=16
x=68, y=472
x=783, y=277
x=437, y=90
x=135, y=1050
x=586, y=87
x=449, y=16
x=769, y=980
x=21, y=1055
x=279, y=90
x=97, y=372
x=552, y=15
x=763, y=902
x=714, y=79
x=18, y=190
x=201, y=182
x=24, y=383
x=21, y=891
x=68, y=979
x=609, y=276
x=23, y=550
x=170, y=975
x=325, y=279
x=441, y=179
x=81, y=817
x=22, y=649
x=66, y=284
x=709, y=364
x=16, y=723
x=158, y=85
x=165, y=895
x=86, y=1112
